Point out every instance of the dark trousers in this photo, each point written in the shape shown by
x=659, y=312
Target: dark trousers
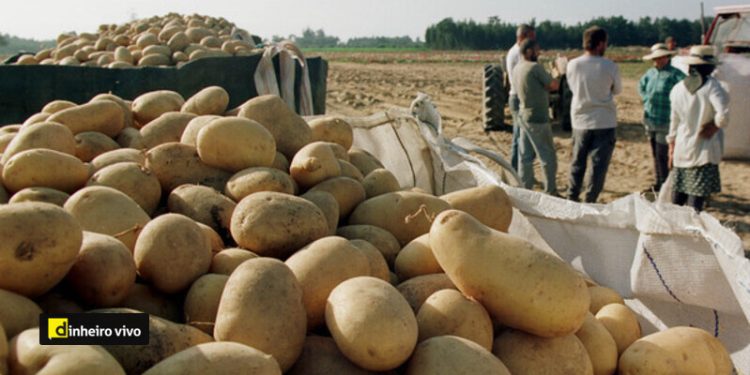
x=661, y=159
x=694, y=201
x=598, y=144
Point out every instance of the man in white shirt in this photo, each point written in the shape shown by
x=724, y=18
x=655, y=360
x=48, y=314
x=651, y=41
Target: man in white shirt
x=523, y=32
x=594, y=81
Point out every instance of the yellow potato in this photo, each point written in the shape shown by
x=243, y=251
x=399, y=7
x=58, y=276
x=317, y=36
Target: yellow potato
x=202, y=301
x=134, y=180
x=451, y=355
x=328, y=205
x=204, y=205
x=123, y=155
x=27, y=356
x=280, y=162
x=212, y=100
x=253, y=180
x=218, y=358
x=178, y=42
x=321, y=356
x=124, y=104
x=405, y=214
x=217, y=243
x=489, y=204
x=382, y=239
x=40, y=194
x=3, y=351
x=677, y=350
x=59, y=303
x=234, y=144
x=332, y=129
x=99, y=116
x=349, y=170
x=57, y=106
x=380, y=181
x=622, y=324
x=261, y=307
x=289, y=130
x=348, y=193
x=226, y=261
x=518, y=286
x=44, y=168
x=157, y=49
x=416, y=259
x=92, y=144
x=196, y=34
x=157, y=261
x=39, y=244
x=131, y=138
x=175, y=164
x=36, y=118
x=147, y=39
x=364, y=161
x=166, y=128
x=313, y=164
x=190, y=135
x=448, y=312
x=93, y=207
x=151, y=105
x=5, y=139
x=371, y=323
x=17, y=313
x=103, y=272
x=46, y=135
x=524, y=353
x=378, y=265
x=339, y=151
x=602, y=296
x=599, y=344
x=321, y=266
x=276, y=224
x=144, y=298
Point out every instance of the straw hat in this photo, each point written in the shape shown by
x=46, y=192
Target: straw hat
x=701, y=55
x=659, y=50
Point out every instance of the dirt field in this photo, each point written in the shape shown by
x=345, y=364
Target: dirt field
x=366, y=83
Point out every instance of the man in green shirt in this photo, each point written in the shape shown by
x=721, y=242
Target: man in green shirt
x=654, y=88
x=533, y=85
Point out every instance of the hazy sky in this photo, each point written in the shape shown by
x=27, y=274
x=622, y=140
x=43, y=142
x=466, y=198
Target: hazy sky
x=44, y=19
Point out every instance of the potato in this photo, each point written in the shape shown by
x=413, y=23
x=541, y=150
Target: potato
x=524, y=353
x=234, y=144
x=489, y=204
x=3, y=351
x=262, y=299
x=144, y=298
x=17, y=313
x=157, y=49
x=175, y=164
x=289, y=130
x=202, y=301
x=378, y=265
x=44, y=168
x=124, y=104
x=321, y=266
x=211, y=42
x=320, y=356
x=178, y=42
x=27, y=356
x=449, y=355
x=340, y=152
x=190, y=135
x=448, y=312
x=217, y=243
x=348, y=193
x=5, y=139
x=151, y=105
x=103, y=272
x=122, y=54
x=40, y=194
x=622, y=324
x=99, y=116
x=677, y=350
x=94, y=206
x=57, y=106
x=134, y=180
x=518, y=286
x=328, y=205
x=40, y=243
x=226, y=261
x=59, y=303
x=349, y=170
x=165, y=339
x=172, y=252
x=371, y=323
x=217, y=358
x=363, y=160
x=131, y=138
x=332, y=129
x=166, y=128
x=380, y=181
x=276, y=224
x=45, y=135
x=416, y=259
x=169, y=31
x=196, y=34
x=209, y=52
x=147, y=39
x=313, y=164
x=602, y=296
x=280, y=162
x=202, y=204
x=92, y=144
x=599, y=344
x=119, y=156
x=253, y=180
x=405, y=214
x=212, y=100
x=383, y=240
x=36, y=119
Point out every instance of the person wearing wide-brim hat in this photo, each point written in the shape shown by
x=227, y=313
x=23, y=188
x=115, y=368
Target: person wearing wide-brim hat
x=654, y=88
x=700, y=110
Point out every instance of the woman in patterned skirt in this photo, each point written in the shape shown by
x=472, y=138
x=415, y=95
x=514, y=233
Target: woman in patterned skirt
x=700, y=109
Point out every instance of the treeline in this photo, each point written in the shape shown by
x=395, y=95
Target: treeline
x=10, y=45
x=318, y=39
x=496, y=34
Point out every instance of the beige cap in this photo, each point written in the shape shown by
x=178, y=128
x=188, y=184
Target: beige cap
x=658, y=50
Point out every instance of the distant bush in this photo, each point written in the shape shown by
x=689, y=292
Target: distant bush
x=10, y=45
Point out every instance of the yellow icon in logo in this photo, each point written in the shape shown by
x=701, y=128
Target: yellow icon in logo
x=57, y=328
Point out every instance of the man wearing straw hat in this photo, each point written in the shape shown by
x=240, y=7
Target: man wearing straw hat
x=654, y=88
x=700, y=110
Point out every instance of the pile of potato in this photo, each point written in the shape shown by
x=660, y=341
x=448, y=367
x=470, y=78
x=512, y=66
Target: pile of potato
x=261, y=243
x=157, y=41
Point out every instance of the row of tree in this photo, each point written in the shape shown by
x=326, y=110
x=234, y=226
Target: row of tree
x=318, y=39
x=496, y=34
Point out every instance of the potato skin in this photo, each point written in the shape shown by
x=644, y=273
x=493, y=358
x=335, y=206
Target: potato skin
x=253, y=180
x=489, y=204
x=219, y=358
x=226, y=261
x=382, y=239
x=451, y=355
x=44, y=168
x=175, y=164
x=44, y=135
x=39, y=246
x=134, y=180
x=313, y=164
x=234, y=144
x=261, y=299
x=289, y=130
x=332, y=129
x=518, y=286
x=99, y=116
x=202, y=204
x=524, y=353
x=622, y=324
x=212, y=100
x=416, y=259
x=166, y=128
x=379, y=182
x=321, y=356
x=153, y=104
x=40, y=194
x=17, y=313
x=600, y=346
x=202, y=301
x=448, y=312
